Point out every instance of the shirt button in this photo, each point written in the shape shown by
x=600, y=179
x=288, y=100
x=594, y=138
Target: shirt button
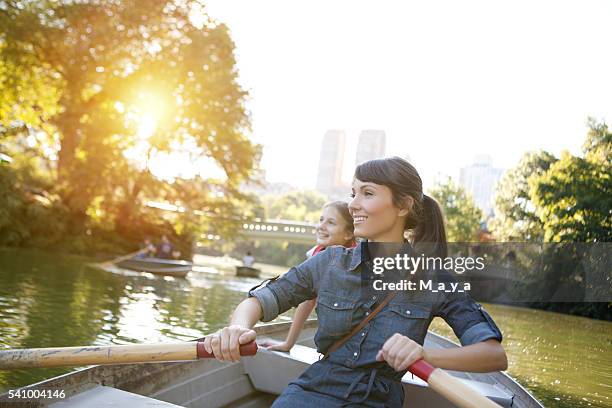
x=407, y=311
x=362, y=334
x=373, y=297
x=355, y=354
x=367, y=313
x=335, y=305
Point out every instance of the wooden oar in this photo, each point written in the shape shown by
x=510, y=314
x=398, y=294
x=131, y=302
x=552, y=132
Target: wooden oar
x=133, y=353
x=451, y=388
x=106, y=264
x=124, y=257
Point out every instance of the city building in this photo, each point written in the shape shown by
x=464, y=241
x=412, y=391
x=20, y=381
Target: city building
x=331, y=160
x=480, y=180
x=371, y=145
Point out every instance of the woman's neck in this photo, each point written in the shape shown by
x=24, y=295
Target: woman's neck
x=397, y=238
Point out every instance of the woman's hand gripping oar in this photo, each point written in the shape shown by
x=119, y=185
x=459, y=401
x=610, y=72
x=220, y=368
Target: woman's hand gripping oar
x=89, y=355
x=402, y=353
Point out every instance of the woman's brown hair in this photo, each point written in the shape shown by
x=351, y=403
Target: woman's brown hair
x=425, y=221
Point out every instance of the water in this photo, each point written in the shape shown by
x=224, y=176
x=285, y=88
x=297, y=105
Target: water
x=50, y=301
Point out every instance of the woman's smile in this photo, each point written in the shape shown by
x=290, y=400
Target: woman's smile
x=358, y=219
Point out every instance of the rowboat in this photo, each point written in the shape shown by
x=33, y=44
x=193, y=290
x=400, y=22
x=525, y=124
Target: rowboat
x=178, y=268
x=251, y=382
x=247, y=271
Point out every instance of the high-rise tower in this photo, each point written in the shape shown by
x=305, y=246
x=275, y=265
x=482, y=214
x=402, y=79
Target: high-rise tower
x=331, y=161
x=480, y=180
x=371, y=145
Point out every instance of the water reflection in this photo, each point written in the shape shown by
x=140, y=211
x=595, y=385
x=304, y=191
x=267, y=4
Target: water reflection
x=51, y=301
x=564, y=360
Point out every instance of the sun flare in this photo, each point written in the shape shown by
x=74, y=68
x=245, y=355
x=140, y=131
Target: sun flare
x=146, y=126
x=149, y=110
x=149, y=113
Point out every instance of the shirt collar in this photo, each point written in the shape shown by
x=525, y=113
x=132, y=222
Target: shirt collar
x=356, y=256
x=360, y=253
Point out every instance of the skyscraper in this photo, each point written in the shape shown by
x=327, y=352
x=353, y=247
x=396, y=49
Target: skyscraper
x=371, y=145
x=330, y=162
x=480, y=180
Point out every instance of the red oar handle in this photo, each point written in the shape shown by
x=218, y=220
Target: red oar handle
x=248, y=349
x=422, y=369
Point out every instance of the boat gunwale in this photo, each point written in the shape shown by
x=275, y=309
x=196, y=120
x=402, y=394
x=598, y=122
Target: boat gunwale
x=83, y=379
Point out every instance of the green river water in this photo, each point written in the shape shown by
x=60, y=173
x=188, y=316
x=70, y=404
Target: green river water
x=51, y=301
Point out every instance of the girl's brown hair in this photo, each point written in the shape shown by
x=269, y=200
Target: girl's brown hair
x=425, y=222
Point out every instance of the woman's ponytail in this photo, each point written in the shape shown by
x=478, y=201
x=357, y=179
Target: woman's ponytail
x=430, y=230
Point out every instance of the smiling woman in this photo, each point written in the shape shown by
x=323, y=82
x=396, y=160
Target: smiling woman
x=369, y=342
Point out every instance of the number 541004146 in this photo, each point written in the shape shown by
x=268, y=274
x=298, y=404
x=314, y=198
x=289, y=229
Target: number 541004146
x=36, y=394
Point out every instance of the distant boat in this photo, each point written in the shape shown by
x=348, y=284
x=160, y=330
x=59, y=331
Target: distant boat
x=247, y=271
x=179, y=268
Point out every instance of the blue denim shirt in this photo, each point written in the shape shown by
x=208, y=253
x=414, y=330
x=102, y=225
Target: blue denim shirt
x=335, y=277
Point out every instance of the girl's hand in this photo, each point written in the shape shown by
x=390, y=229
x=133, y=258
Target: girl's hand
x=225, y=343
x=271, y=345
x=400, y=352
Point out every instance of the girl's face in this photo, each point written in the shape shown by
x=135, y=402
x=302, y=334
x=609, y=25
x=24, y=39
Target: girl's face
x=332, y=229
x=374, y=215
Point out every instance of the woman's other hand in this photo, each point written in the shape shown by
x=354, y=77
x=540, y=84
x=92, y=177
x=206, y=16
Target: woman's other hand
x=225, y=343
x=278, y=346
x=400, y=352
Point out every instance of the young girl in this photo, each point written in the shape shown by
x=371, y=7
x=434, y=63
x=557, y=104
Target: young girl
x=366, y=370
x=335, y=227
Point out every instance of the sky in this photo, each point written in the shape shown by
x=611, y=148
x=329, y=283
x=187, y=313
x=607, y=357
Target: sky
x=446, y=80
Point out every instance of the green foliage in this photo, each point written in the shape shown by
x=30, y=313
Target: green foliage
x=27, y=216
x=30, y=93
x=566, y=200
x=559, y=200
x=573, y=198
x=304, y=206
x=461, y=213
x=515, y=213
x=597, y=147
x=273, y=252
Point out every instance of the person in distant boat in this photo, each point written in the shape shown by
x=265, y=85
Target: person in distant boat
x=335, y=227
x=165, y=248
x=147, y=250
x=248, y=260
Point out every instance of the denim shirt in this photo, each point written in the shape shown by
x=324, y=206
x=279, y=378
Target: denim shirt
x=335, y=277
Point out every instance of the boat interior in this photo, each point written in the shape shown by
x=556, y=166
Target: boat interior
x=252, y=382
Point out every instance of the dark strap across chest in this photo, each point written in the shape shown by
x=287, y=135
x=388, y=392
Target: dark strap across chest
x=360, y=326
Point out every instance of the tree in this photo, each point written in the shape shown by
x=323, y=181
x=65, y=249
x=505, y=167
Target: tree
x=573, y=199
x=515, y=213
x=566, y=201
x=302, y=206
x=462, y=215
x=117, y=85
